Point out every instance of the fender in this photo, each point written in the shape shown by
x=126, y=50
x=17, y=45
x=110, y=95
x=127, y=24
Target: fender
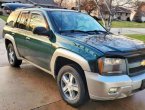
x=11, y=38
x=71, y=56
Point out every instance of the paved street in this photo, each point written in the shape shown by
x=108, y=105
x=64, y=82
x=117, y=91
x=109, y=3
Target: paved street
x=128, y=30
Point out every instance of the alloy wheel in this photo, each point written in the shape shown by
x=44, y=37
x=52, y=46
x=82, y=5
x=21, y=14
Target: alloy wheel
x=11, y=55
x=69, y=86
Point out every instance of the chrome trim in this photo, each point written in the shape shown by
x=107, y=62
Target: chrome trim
x=69, y=55
x=133, y=65
x=11, y=38
x=69, y=86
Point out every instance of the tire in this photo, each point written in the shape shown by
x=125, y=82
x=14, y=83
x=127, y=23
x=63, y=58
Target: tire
x=14, y=62
x=74, y=91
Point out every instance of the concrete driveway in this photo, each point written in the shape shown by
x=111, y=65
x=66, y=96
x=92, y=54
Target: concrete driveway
x=2, y=23
x=28, y=88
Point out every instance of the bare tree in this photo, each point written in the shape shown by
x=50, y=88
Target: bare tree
x=111, y=6
x=59, y=2
x=88, y=6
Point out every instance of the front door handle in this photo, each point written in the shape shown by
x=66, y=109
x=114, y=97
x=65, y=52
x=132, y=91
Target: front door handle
x=27, y=38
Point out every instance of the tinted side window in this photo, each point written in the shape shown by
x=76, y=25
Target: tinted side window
x=37, y=20
x=22, y=20
x=12, y=18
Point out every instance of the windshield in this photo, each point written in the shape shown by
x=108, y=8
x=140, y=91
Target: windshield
x=70, y=21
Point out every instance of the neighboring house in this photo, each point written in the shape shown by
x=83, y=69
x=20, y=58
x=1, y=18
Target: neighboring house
x=139, y=16
x=119, y=13
x=45, y=3
x=122, y=13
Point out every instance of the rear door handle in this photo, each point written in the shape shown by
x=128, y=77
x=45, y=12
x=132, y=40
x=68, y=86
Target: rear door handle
x=27, y=38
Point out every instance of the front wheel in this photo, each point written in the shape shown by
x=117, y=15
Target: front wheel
x=12, y=56
x=71, y=85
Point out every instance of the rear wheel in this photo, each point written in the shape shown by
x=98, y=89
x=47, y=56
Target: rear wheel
x=12, y=56
x=72, y=86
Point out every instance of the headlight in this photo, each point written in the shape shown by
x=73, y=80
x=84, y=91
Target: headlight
x=111, y=66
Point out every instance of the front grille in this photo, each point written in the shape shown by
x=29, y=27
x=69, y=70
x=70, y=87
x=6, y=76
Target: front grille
x=136, y=58
x=134, y=65
x=137, y=70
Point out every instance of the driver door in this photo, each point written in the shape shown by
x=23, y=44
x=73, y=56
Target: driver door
x=38, y=46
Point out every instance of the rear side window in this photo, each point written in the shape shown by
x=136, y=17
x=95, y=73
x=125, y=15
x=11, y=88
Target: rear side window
x=37, y=20
x=12, y=18
x=22, y=20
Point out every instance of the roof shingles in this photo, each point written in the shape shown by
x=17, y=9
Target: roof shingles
x=42, y=1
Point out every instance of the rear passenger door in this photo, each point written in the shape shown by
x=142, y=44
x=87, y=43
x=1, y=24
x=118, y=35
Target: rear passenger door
x=38, y=46
x=9, y=27
x=21, y=32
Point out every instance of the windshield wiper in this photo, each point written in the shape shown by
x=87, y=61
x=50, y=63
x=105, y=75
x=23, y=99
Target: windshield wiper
x=72, y=31
x=98, y=31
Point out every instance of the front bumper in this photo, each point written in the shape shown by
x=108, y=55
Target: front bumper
x=99, y=86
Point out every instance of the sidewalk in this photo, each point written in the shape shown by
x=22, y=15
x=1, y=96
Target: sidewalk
x=128, y=30
x=2, y=24
x=3, y=54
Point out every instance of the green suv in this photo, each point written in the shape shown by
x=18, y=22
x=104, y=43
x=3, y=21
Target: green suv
x=85, y=59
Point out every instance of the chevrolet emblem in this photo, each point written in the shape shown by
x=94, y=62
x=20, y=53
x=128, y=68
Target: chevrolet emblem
x=143, y=63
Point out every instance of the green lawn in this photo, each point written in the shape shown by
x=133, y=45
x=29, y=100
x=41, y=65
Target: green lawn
x=126, y=24
x=4, y=17
x=137, y=36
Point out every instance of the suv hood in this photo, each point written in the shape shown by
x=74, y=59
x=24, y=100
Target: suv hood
x=106, y=43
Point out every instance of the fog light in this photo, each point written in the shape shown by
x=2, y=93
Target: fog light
x=113, y=90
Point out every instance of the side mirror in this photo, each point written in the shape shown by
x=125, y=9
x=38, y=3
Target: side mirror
x=42, y=31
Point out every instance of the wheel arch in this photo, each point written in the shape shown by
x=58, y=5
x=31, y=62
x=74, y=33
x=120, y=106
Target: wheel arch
x=63, y=57
x=68, y=56
x=10, y=39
